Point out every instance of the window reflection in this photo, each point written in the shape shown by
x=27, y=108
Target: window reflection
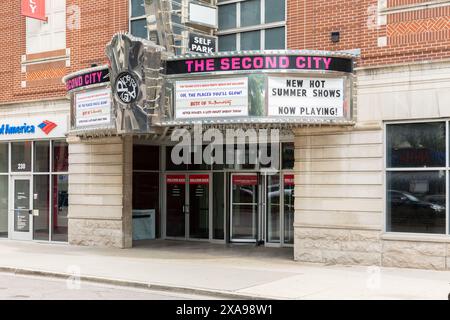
x=4, y=157
x=21, y=156
x=42, y=156
x=60, y=156
x=273, y=208
x=3, y=206
x=41, y=205
x=146, y=194
x=416, y=202
x=416, y=145
x=60, y=207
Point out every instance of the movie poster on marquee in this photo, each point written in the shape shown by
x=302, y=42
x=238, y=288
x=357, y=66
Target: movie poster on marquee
x=212, y=98
x=306, y=97
x=93, y=108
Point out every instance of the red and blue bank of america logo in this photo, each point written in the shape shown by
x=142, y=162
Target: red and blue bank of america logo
x=47, y=126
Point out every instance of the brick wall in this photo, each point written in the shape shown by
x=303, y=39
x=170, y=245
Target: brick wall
x=387, y=32
x=100, y=19
x=405, y=34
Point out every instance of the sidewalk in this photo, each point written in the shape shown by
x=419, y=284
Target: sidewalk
x=238, y=271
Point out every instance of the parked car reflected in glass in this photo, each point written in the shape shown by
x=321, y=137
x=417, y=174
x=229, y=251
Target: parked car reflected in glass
x=409, y=213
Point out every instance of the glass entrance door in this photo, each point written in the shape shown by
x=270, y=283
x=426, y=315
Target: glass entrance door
x=244, y=207
x=22, y=209
x=176, y=208
x=188, y=206
x=199, y=205
x=288, y=209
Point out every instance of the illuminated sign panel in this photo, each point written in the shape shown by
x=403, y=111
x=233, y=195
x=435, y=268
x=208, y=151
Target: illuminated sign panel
x=278, y=87
x=88, y=78
x=93, y=108
x=254, y=63
x=306, y=97
x=227, y=97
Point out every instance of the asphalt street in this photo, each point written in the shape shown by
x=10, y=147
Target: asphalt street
x=18, y=287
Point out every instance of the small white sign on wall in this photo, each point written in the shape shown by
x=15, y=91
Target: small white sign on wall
x=203, y=15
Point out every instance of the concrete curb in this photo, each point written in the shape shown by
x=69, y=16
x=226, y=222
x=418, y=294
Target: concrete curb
x=135, y=284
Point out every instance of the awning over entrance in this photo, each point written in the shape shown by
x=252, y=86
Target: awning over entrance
x=146, y=91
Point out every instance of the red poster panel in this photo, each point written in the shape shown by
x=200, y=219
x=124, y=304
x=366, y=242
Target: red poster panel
x=245, y=180
x=199, y=179
x=289, y=180
x=34, y=9
x=175, y=179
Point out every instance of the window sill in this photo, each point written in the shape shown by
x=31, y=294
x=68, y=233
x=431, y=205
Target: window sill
x=416, y=237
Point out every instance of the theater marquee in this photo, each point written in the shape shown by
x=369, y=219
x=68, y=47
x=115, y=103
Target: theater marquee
x=268, y=88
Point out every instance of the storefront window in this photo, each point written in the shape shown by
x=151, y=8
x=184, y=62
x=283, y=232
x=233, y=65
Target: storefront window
x=289, y=186
x=273, y=208
x=4, y=157
x=146, y=197
x=41, y=207
x=416, y=199
x=170, y=165
x=60, y=207
x=21, y=156
x=245, y=157
x=60, y=156
x=42, y=156
x=416, y=145
x=3, y=206
x=287, y=156
x=416, y=202
x=218, y=206
x=145, y=157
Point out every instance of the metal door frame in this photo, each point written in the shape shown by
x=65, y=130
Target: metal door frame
x=210, y=206
x=166, y=204
x=283, y=230
x=257, y=203
x=186, y=206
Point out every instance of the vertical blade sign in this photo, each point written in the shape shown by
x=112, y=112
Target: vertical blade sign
x=34, y=9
